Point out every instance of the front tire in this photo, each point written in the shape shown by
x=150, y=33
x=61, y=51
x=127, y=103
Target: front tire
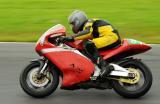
x=35, y=87
x=123, y=88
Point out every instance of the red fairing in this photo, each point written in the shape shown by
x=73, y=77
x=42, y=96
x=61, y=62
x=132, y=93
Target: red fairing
x=39, y=47
x=47, y=44
x=125, y=48
x=74, y=67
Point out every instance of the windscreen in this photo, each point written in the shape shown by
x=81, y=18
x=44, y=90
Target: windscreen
x=50, y=31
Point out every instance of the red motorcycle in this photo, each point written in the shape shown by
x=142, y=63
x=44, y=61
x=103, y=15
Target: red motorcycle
x=67, y=61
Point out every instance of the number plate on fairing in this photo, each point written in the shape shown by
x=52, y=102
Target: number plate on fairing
x=132, y=41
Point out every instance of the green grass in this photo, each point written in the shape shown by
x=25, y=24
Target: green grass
x=26, y=20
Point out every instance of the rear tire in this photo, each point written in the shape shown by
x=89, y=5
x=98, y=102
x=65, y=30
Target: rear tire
x=123, y=91
x=38, y=92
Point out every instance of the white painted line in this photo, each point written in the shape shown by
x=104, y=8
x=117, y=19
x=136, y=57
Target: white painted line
x=17, y=42
x=154, y=44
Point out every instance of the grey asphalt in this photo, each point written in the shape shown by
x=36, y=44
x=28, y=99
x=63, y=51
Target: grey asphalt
x=14, y=57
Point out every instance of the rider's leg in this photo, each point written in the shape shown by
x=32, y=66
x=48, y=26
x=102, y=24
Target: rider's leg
x=109, y=41
x=93, y=53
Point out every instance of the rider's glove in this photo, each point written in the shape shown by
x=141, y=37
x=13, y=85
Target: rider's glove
x=67, y=39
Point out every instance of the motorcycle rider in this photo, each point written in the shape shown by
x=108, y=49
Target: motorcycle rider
x=97, y=34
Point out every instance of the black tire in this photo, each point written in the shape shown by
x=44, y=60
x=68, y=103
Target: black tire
x=38, y=93
x=121, y=90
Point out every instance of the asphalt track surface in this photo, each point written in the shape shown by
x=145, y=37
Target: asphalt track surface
x=15, y=56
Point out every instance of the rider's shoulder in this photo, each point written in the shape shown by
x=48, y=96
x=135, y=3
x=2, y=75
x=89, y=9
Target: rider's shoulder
x=92, y=20
x=100, y=22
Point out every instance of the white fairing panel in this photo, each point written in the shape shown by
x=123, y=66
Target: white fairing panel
x=50, y=31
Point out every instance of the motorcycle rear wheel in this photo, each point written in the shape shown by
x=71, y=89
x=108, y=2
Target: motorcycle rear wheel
x=35, y=87
x=127, y=90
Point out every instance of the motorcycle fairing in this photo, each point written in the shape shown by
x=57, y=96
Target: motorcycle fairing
x=43, y=43
x=75, y=68
x=129, y=47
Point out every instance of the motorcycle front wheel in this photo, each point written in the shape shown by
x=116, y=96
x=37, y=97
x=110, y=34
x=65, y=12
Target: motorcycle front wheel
x=139, y=88
x=35, y=86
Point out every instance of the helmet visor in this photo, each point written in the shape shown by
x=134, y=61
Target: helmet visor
x=73, y=27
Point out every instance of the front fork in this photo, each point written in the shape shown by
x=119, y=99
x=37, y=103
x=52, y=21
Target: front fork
x=43, y=66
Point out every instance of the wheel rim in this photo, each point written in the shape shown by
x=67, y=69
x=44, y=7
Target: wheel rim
x=135, y=86
x=38, y=84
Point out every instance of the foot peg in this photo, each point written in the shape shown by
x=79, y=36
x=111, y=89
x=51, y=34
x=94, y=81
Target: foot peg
x=93, y=78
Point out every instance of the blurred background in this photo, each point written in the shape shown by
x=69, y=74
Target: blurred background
x=26, y=20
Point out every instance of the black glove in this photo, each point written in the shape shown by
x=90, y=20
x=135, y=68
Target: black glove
x=67, y=39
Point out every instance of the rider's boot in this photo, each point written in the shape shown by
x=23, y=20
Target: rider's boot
x=105, y=67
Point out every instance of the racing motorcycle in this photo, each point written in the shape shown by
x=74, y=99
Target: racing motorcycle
x=65, y=64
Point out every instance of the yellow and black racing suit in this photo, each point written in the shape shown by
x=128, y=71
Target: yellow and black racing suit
x=98, y=34
x=101, y=33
